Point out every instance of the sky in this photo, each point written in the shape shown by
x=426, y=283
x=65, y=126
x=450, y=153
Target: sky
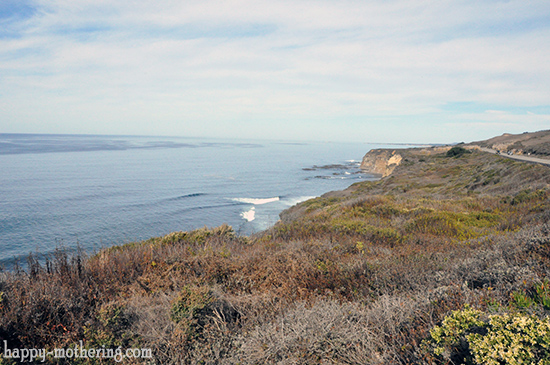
x=416, y=71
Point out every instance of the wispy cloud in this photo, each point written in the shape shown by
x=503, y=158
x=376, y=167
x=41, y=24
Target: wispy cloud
x=349, y=69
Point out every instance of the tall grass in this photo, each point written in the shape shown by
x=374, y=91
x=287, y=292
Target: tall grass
x=357, y=278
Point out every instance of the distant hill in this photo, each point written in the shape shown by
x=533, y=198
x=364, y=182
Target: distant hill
x=434, y=263
x=536, y=143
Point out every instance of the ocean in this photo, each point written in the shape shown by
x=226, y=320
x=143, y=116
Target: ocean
x=93, y=192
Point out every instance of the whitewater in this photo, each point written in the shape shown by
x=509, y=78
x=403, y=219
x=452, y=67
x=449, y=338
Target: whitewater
x=91, y=192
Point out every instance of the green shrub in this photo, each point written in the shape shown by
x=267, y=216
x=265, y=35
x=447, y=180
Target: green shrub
x=383, y=235
x=542, y=295
x=318, y=203
x=191, y=305
x=538, y=296
x=457, y=151
x=512, y=339
x=110, y=329
x=521, y=300
x=528, y=196
x=466, y=337
x=173, y=237
x=447, y=340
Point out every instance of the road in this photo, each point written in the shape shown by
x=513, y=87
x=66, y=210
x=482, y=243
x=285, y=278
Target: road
x=542, y=161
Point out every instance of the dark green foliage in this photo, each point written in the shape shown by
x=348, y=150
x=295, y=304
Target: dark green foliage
x=457, y=151
x=537, y=296
x=191, y=305
x=359, y=276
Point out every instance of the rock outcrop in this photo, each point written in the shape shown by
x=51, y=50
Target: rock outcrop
x=381, y=162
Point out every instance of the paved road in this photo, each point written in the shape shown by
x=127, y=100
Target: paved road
x=542, y=161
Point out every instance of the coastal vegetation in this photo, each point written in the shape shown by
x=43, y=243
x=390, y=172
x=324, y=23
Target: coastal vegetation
x=445, y=261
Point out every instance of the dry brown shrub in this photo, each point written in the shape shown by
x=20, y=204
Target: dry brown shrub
x=327, y=332
x=387, y=331
x=208, y=339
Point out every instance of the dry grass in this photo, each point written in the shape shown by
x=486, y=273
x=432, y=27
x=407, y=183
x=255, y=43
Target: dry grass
x=358, y=278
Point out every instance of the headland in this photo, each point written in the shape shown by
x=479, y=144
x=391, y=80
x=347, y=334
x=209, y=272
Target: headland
x=374, y=274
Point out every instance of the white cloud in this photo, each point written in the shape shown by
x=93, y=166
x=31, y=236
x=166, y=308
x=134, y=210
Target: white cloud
x=120, y=64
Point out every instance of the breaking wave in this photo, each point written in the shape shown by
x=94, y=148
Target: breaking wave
x=293, y=201
x=249, y=215
x=256, y=201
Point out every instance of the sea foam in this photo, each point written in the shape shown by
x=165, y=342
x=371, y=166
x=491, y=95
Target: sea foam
x=256, y=201
x=294, y=201
x=249, y=215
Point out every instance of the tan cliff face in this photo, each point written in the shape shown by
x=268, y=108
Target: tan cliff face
x=381, y=162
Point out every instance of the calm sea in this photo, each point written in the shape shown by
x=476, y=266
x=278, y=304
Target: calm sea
x=98, y=191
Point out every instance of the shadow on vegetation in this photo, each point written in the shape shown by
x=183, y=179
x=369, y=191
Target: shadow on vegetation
x=363, y=276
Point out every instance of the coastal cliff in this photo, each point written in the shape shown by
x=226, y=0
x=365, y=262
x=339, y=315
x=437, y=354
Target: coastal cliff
x=381, y=162
x=446, y=237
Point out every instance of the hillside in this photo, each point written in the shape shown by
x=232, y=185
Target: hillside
x=536, y=143
x=374, y=274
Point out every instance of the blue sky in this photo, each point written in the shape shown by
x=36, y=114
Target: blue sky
x=372, y=71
